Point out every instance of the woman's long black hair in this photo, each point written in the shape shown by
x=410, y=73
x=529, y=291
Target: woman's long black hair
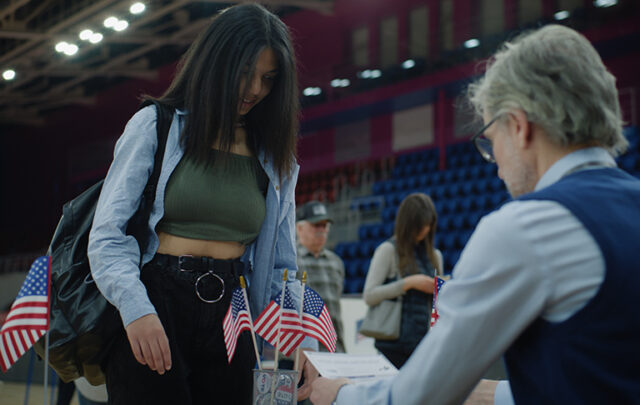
x=207, y=86
x=415, y=212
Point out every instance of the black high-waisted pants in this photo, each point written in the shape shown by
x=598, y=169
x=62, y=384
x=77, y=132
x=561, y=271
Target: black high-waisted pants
x=200, y=372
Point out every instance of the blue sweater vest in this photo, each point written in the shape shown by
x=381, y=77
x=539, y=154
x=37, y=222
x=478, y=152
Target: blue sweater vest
x=594, y=356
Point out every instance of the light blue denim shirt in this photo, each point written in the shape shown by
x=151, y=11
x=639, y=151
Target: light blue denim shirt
x=114, y=256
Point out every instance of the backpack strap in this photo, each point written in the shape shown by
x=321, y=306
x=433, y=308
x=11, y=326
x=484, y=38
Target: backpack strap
x=140, y=220
x=164, y=115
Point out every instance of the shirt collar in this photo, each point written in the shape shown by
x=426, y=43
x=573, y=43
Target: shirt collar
x=303, y=251
x=572, y=162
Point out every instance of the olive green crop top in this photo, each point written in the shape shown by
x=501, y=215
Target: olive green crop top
x=223, y=202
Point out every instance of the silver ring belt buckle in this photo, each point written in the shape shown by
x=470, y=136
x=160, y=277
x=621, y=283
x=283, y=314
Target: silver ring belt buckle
x=201, y=277
x=212, y=274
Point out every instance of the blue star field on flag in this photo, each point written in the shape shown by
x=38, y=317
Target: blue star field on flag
x=28, y=318
x=289, y=327
x=235, y=321
x=316, y=320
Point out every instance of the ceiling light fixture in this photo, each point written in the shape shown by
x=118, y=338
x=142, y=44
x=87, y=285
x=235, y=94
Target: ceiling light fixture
x=137, y=8
x=471, y=43
x=85, y=35
x=9, y=74
x=110, y=22
x=121, y=25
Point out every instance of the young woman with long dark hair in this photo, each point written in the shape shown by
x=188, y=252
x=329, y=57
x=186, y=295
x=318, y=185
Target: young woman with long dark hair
x=224, y=206
x=403, y=268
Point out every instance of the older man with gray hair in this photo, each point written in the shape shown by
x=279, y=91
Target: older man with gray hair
x=550, y=279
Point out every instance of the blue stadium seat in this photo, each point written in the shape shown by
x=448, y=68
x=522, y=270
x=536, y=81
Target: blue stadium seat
x=473, y=219
x=481, y=186
x=463, y=237
x=467, y=187
x=464, y=173
x=352, y=250
x=423, y=180
x=378, y=188
x=389, y=214
x=364, y=267
x=363, y=232
x=468, y=204
x=449, y=176
x=339, y=249
x=495, y=184
x=451, y=206
x=459, y=221
x=388, y=229
x=453, y=190
x=629, y=163
x=351, y=268
x=436, y=178
x=483, y=202
x=449, y=240
x=474, y=172
x=490, y=170
x=351, y=285
x=444, y=223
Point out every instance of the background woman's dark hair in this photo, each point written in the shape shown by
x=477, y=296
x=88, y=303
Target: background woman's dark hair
x=416, y=211
x=207, y=86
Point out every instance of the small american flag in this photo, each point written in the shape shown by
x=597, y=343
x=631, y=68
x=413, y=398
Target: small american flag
x=235, y=321
x=438, y=282
x=28, y=318
x=266, y=325
x=316, y=320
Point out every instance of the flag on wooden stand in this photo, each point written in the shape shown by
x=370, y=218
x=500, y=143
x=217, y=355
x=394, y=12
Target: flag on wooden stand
x=235, y=321
x=438, y=282
x=28, y=318
x=266, y=324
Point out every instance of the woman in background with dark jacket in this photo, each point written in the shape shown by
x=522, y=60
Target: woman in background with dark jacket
x=403, y=268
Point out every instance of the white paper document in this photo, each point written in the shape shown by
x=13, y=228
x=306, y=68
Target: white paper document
x=357, y=367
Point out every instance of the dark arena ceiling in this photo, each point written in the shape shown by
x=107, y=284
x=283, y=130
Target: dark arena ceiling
x=34, y=35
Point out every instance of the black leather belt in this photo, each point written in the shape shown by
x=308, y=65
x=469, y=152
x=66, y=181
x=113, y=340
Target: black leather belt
x=207, y=267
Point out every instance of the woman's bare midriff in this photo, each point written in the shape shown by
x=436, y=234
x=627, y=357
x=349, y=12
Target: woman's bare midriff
x=178, y=246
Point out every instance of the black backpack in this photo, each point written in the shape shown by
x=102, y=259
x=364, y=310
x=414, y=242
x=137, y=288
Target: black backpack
x=82, y=322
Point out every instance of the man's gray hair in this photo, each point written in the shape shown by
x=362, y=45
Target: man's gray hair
x=558, y=79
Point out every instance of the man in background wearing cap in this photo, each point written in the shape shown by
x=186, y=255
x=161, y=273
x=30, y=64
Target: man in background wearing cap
x=325, y=269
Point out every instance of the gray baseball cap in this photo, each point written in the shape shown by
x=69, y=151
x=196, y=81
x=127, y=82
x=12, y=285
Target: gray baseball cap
x=313, y=211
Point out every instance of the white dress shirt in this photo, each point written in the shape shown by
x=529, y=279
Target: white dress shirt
x=528, y=259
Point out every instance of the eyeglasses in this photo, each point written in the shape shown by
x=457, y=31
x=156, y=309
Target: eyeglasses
x=483, y=144
x=322, y=225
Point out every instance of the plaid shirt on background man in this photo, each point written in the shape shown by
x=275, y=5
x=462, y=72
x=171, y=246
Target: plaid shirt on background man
x=325, y=274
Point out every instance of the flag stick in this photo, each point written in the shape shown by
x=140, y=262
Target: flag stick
x=243, y=284
x=278, y=344
x=304, y=282
x=275, y=365
x=46, y=365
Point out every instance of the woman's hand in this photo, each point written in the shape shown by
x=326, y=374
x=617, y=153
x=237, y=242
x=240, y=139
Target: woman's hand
x=325, y=390
x=418, y=282
x=149, y=343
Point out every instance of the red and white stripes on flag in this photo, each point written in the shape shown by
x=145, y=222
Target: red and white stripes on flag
x=235, y=321
x=438, y=282
x=267, y=326
x=28, y=318
x=316, y=320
